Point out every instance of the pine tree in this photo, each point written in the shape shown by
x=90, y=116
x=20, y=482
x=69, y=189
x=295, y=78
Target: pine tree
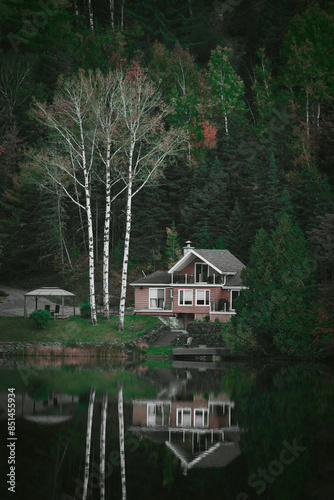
x=173, y=249
x=267, y=196
x=279, y=302
x=235, y=235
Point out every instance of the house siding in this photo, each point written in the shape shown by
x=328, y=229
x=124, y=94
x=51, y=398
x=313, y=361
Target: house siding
x=141, y=298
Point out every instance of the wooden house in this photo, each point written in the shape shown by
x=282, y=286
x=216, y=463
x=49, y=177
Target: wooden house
x=203, y=283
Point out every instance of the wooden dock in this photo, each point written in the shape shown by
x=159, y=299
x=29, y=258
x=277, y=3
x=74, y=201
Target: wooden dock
x=201, y=353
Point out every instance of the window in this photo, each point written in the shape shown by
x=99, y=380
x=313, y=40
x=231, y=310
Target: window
x=183, y=417
x=185, y=297
x=202, y=297
x=200, y=417
x=234, y=295
x=157, y=298
x=201, y=271
x=155, y=414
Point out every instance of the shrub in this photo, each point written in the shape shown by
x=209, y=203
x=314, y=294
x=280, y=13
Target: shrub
x=40, y=318
x=85, y=310
x=206, y=319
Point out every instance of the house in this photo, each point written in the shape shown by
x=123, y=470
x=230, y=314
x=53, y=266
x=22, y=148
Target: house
x=202, y=283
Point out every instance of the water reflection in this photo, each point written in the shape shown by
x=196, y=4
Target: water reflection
x=198, y=429
x=234, y=432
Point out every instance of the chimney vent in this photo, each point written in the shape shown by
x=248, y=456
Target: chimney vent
x=187, y=248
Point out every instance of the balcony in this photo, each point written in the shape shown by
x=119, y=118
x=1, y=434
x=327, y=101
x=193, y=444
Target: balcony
x=222, y=306
x=190, y=279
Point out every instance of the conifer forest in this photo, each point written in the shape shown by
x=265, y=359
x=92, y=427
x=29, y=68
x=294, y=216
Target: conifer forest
x=128, y=128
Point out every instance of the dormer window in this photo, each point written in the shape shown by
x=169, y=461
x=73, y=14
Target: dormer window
x=201, y=272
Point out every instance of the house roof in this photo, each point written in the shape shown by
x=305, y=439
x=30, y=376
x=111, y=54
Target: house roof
x=49, y=291
x=222, y=261
x=156, y=278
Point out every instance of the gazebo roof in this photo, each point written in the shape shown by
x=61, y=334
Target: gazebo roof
x=48, y=291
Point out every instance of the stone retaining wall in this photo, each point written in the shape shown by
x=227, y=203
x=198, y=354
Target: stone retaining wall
x=195, y=328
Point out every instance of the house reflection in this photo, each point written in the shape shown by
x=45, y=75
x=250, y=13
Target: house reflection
x=199, y=429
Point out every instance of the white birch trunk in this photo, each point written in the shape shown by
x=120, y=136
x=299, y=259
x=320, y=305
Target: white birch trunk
x=103, y=445
x=226, y=123
x=121, y=438
x=91, y=261
x=91, y=17
x=318, y=115
x=88, y=441
x=307, y=116
x=126, y=250
x=62, y=258
x=122, y=14
x=112, y=14
x=106, y=238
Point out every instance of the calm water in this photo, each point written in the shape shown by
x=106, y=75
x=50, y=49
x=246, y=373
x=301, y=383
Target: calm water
x=230, y=432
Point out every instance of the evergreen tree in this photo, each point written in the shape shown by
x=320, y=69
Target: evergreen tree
x=205, y=210
x=235, y=235
x=166, y=22
x=266, y=196
x=278, y=304
x=173, y=249
x=311, y=196
x=150, y=217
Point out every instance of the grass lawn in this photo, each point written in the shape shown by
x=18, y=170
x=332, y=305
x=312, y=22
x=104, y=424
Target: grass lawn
x=159, y=350
x=75, y=329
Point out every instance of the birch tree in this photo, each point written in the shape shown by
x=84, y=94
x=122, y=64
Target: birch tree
x=227, y=88
x=107, y=118
x=146, y=146
x=73, y=132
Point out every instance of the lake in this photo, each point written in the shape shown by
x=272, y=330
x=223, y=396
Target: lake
x=185, y=431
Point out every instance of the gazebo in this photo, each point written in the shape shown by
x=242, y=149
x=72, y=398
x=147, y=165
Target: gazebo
x=48, y=291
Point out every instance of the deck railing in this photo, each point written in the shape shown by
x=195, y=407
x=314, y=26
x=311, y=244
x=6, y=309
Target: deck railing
x=189, y=279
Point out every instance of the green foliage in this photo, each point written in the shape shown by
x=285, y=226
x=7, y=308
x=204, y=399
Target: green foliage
x=173, y=248
x=40, y=318
x=277, y=308
x=227, y=88
x=85, y=311
x=241, y=339
x=308, y=60
x=235, y=235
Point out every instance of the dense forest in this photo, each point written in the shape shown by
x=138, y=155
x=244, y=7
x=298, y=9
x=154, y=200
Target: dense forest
x=245, y=86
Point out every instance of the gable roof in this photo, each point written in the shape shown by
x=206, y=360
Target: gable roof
x=220, y=260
